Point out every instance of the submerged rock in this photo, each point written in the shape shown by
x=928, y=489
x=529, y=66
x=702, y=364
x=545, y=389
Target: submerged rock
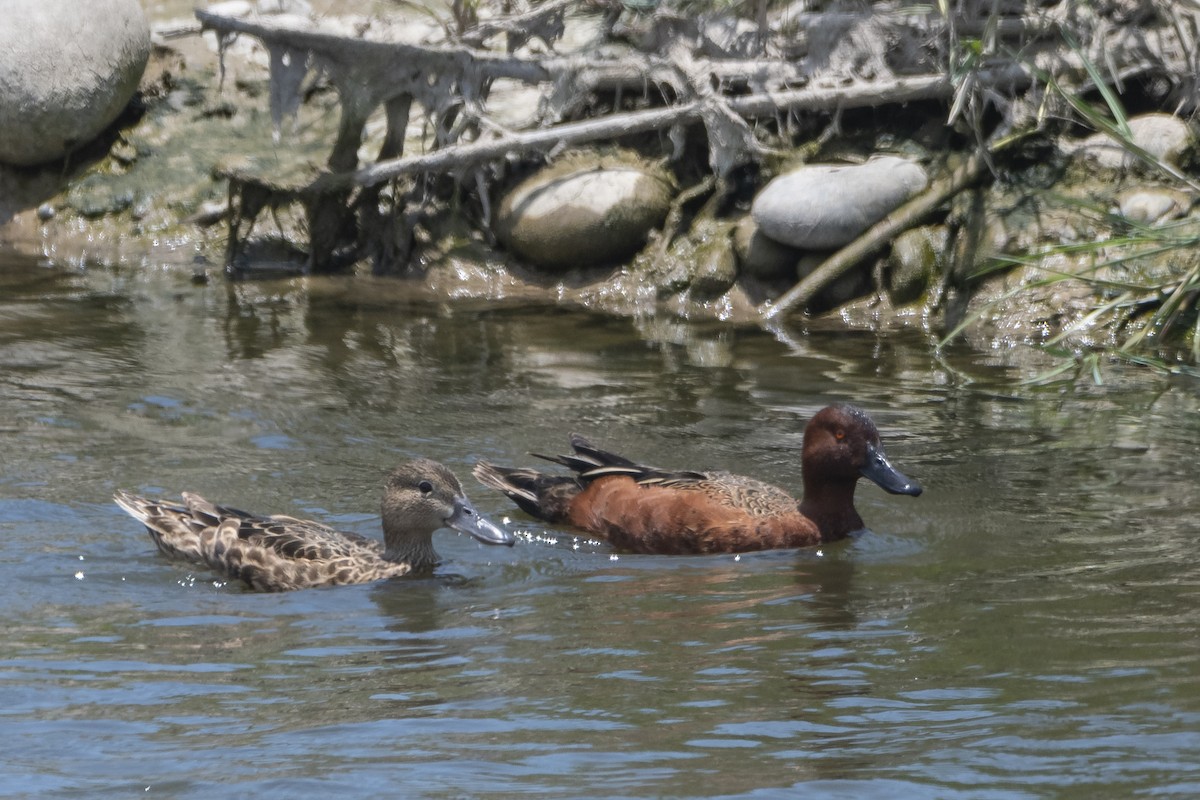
x=69, y=69
x=715, y=267
x=761, y=256
x=850, y=285
x=583, y=217
x=701, y=264
x=825, y=206
x=916, y=259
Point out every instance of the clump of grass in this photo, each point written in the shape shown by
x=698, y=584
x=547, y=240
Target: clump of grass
x=1153, y=318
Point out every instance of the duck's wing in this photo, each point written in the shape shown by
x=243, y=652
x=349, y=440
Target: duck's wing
x=303, y=539
x=755, y=497
x=280, y=553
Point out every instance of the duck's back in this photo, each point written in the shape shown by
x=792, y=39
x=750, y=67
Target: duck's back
x=281, y=553
x=754, y=497
x=709, y=512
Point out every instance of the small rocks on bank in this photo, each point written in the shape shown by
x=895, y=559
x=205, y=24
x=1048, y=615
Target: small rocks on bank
x=1152, y=205
x=1163, y=136
x=916, y=260
x=760, y=256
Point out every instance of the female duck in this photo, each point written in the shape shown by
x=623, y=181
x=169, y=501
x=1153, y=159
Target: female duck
x=278, y=553
x=649, y=510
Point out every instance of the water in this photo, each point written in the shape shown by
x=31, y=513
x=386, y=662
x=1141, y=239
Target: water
x=1026, y=628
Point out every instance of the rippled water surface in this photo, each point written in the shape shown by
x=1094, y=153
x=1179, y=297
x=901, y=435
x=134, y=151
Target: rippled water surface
x=1027, y=628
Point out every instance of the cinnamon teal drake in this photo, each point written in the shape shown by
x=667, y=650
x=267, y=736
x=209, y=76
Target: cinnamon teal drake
x=278, y=553
x=649, y=510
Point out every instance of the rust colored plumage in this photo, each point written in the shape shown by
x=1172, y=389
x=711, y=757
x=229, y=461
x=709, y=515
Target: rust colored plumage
x=649, y=510
x=279, y=553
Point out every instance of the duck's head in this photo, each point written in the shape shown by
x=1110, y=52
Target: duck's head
x=841, y=444
x=421, y=496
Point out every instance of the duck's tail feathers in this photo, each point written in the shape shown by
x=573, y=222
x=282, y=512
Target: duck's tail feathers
x=592, y=463
x=537, y=494
x=174, y=528
x=132, y=505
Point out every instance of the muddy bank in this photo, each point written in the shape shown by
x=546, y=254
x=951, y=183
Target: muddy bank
x=321, y=169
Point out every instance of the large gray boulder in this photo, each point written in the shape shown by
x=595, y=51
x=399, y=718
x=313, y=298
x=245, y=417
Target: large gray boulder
x=827, y=206
x=583, y=217
x=67, y=69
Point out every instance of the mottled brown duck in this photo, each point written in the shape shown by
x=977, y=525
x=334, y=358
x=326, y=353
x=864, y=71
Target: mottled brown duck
x=279, y=553
x=650, y=510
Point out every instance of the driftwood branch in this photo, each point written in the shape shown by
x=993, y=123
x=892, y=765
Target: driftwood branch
x=899, y=90
x=544, y=21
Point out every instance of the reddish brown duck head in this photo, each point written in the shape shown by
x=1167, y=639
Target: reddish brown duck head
x=841, y=444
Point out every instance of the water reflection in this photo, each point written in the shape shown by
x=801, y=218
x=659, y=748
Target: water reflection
x=1026, y=627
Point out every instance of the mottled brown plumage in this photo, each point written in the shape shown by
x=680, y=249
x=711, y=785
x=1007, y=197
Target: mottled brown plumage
x=278, y=553
x=649, y=510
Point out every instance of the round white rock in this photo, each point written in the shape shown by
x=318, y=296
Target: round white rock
x=67, y=69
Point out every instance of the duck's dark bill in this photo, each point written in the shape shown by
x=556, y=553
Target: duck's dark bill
x=879, y=470
x=467, y=520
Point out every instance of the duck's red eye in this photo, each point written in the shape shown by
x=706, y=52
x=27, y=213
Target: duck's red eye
x=839, y=434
